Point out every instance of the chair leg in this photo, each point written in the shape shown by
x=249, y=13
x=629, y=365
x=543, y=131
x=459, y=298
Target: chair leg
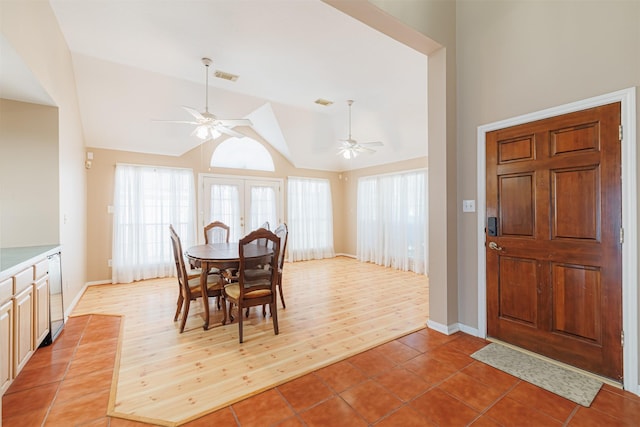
x=281, y=295
x=240, y=321
x=264, y=310
x=224, y=311
x=185, y=312
x=274, y=315
x=231, y=318
x=179, y=304
x=247, y=312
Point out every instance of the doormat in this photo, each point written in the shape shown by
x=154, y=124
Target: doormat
x=569, y=384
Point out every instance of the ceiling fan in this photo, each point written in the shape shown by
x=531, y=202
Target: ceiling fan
x=350, y=148
x=208, y=126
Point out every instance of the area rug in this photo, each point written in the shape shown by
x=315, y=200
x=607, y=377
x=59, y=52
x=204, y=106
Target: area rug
x=569, y=384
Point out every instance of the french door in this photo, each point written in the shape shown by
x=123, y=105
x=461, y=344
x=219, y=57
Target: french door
x=243, y=204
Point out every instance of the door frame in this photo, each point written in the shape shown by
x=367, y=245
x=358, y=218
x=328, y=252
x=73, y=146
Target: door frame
x=627, y=98
x=200, y=192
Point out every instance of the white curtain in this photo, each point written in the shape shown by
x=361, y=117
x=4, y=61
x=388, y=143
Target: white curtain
x=225, y=207
x=147, y=200
x=263, y=207
x=310, y=217
x=392, y=221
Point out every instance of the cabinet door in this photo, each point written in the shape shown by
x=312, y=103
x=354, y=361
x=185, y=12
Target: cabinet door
x=6, y=345
x=23, y=317
x=41, y=320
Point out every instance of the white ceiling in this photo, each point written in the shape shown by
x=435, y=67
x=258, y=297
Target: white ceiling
x=136, y=61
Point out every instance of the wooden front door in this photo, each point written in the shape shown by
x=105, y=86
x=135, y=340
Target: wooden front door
x=553, y=238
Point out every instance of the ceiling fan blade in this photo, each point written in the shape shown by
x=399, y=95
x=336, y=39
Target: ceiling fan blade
x=234, y=122
x=362, y=149
x=176, y=121
x=194, y=113
x=230, y=132
x=372, y=144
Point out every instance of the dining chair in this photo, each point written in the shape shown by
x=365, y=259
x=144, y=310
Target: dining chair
x=282, y=231
x=216, y=232
x=190, y=288
x=231, y=274
x=258, y=290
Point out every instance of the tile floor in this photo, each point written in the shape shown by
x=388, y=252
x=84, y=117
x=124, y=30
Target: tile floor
x=422, y=379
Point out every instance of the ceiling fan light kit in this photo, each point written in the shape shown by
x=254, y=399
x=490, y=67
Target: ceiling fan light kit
x=208, y=126
x=350, y=148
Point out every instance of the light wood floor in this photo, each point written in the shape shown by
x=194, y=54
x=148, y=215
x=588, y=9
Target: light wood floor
x=335, y=308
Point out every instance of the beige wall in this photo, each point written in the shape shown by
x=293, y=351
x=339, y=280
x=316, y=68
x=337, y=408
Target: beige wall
x=521, y=57
x=29, y=196
x=100, y=180
x=32, y=30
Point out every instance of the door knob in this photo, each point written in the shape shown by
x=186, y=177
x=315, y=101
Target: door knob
x=494, y=246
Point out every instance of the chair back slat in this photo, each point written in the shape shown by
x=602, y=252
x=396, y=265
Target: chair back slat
x=267, y=265
x=216, y=232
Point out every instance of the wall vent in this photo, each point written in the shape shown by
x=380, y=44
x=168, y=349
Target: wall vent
x=225, y=76
x=323, y=102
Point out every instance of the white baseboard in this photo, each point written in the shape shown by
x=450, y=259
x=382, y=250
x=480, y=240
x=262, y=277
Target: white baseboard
x=99, y=282
x=444, y=329
x=452, y=329
x=347, y=255
x=75, y=301
x=469, y=330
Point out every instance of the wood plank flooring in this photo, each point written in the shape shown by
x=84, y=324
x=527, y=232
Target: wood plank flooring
x=335, y=309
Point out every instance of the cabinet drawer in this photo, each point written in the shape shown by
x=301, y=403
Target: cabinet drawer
x=41, y=269
x=6, y=290
x=22, y=280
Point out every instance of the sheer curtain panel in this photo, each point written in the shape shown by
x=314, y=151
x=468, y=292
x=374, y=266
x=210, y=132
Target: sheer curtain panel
x=310, y=217
x=392, y=221
x=146, y=200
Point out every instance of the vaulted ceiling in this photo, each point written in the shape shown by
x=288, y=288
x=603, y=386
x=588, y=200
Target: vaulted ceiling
x=140, y=61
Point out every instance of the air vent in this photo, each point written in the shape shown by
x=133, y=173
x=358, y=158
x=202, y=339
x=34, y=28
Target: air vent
x=226, y=76
x=323, y=102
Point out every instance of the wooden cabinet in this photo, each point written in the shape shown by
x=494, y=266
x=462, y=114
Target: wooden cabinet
x=24, y=309
x=41, y=288
x=24, y=340
x=6, y=344
x=41, y=320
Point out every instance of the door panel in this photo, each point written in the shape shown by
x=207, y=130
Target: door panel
x=554, y=271
x=518, y=289
x=516, y=205
x=242, y=204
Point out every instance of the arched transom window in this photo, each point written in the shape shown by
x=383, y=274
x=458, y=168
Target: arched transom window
x=242, y=153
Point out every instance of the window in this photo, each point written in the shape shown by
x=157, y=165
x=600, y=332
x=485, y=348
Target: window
x=242, y=153
x=392, y=221
x=310, y=217
x=147, y=200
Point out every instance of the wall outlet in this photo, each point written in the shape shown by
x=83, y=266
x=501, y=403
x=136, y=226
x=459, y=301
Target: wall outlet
x=468, y=206
x=109, y=263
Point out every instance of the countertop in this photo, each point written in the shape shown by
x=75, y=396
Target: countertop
x=12, y=260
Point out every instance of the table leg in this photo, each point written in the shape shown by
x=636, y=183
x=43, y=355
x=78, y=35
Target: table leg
x=203, y=289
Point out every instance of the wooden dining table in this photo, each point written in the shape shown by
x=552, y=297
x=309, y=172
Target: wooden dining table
x=221, y=256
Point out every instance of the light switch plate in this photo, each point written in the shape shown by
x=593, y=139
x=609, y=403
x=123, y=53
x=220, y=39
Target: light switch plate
x=468, y=206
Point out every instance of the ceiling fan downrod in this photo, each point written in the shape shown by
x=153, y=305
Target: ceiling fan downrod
x=206, y=62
